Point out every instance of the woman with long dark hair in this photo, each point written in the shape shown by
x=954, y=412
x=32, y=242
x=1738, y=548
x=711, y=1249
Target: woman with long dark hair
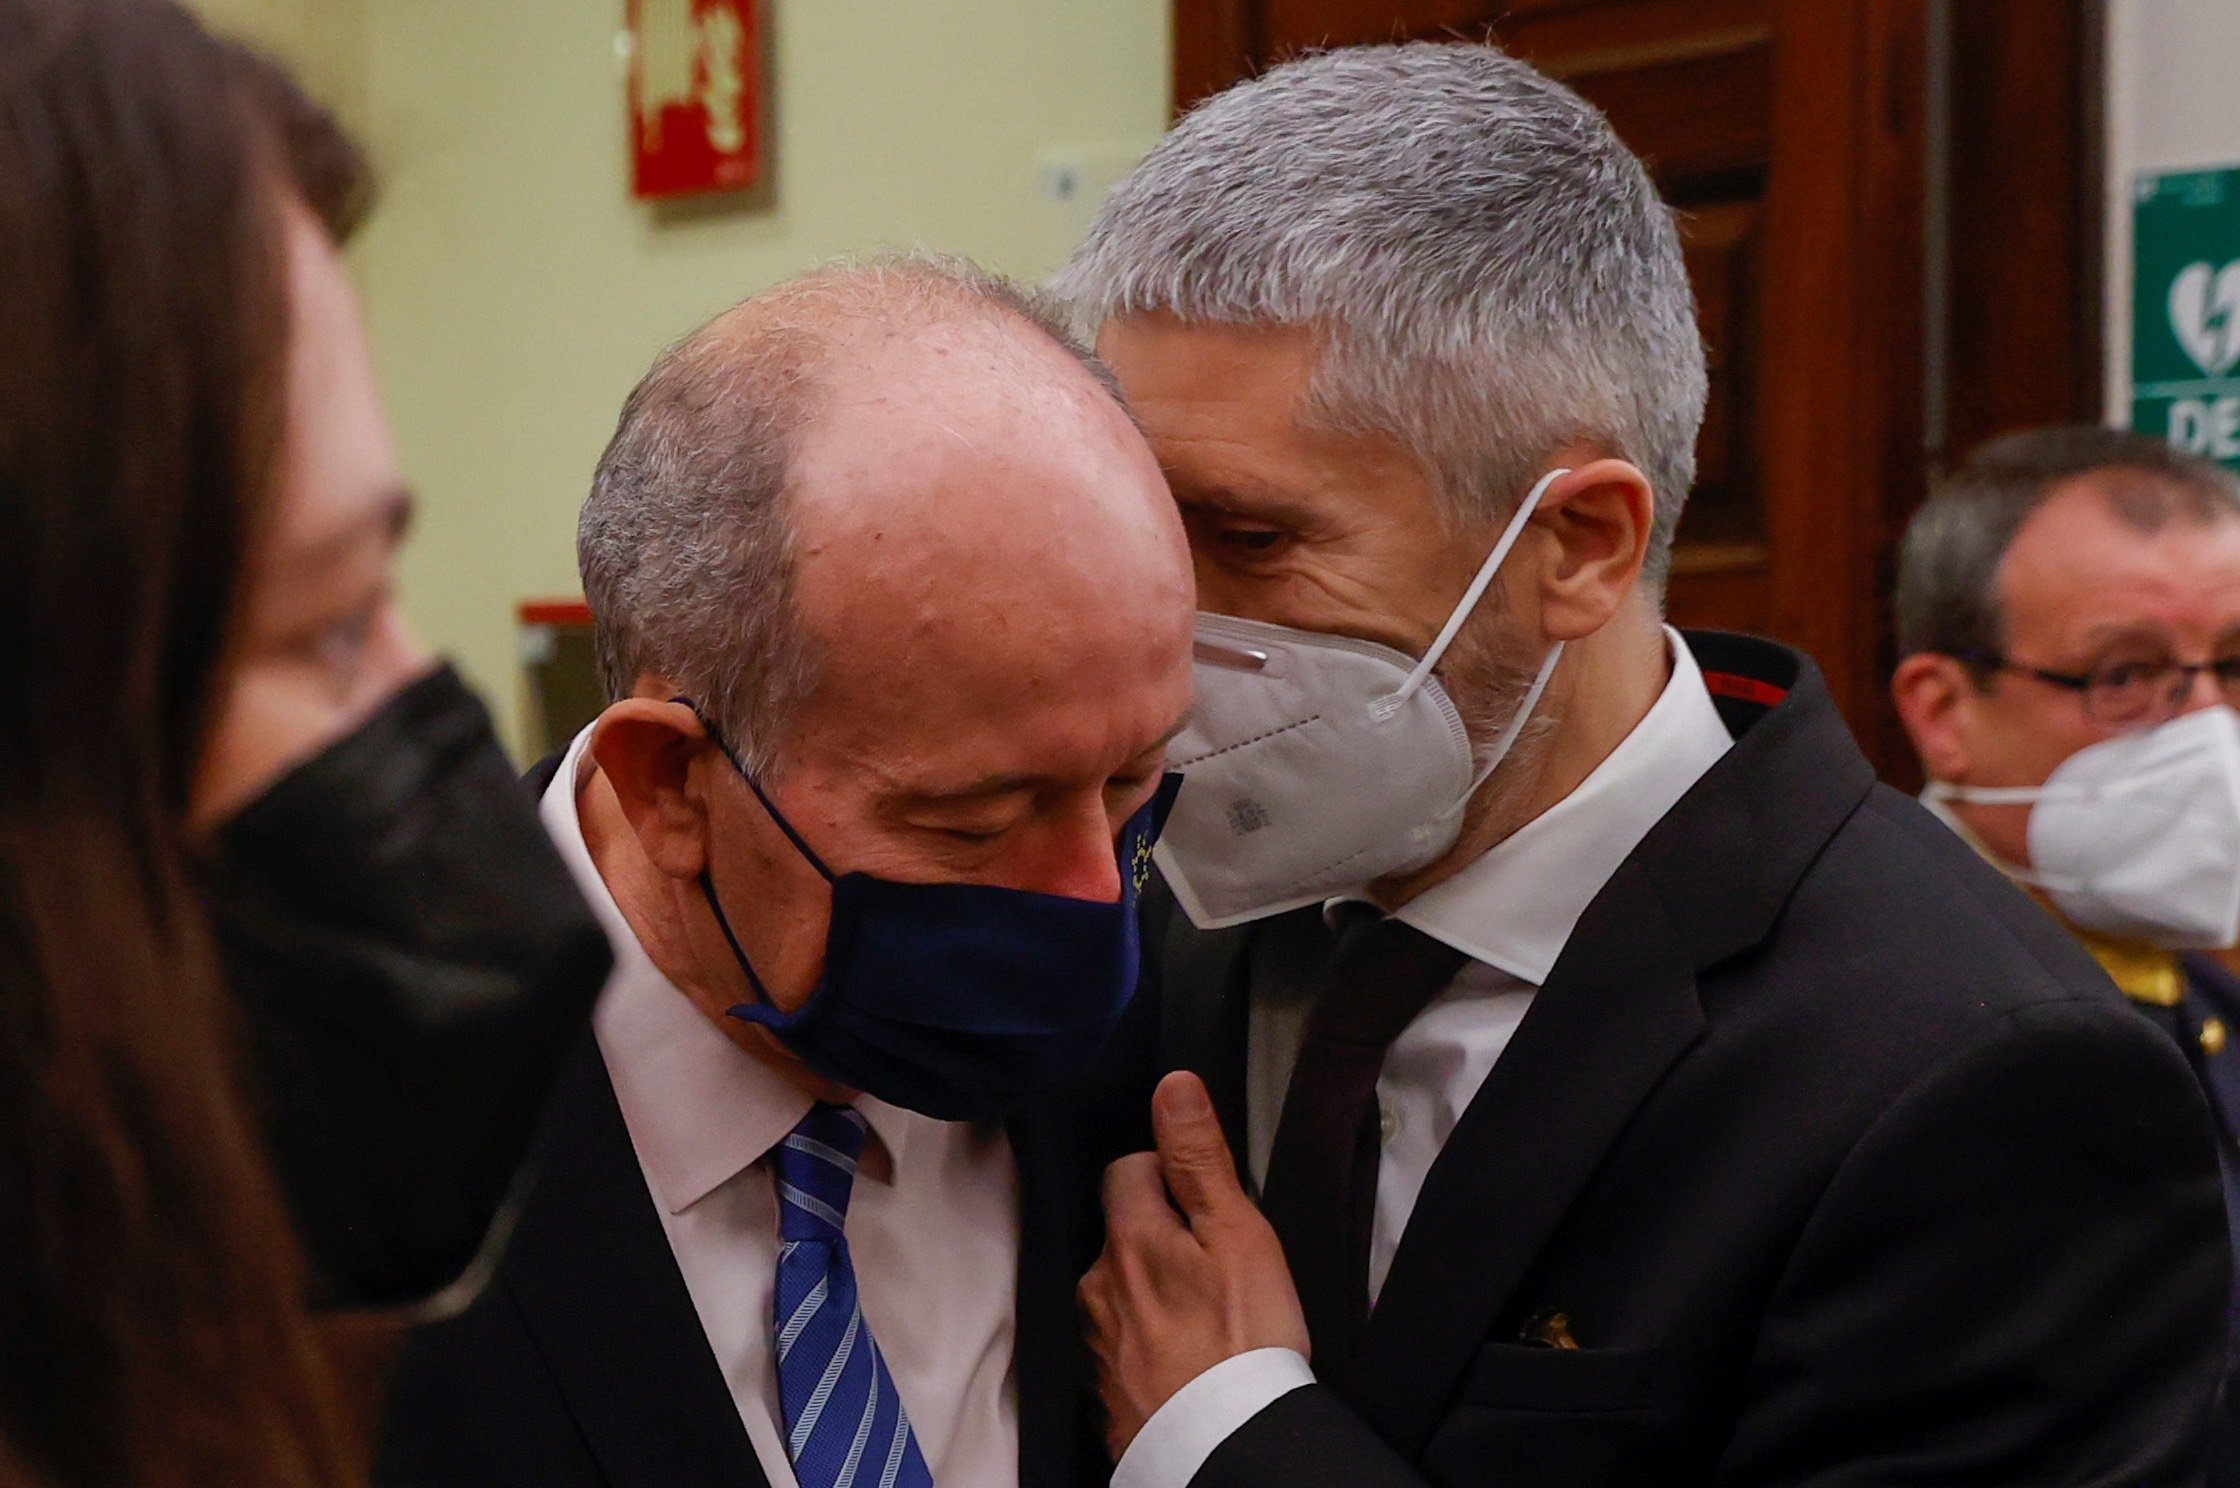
x=285, y=967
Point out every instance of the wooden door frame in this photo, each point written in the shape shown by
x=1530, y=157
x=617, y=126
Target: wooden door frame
x=2025, y=166
x=1216, y=42
x=1845, y=234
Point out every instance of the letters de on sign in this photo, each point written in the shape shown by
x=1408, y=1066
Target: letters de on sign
x=695, y=96
x=2185, y=311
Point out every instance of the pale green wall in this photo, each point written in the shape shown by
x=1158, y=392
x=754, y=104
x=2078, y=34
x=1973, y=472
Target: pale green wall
x=323, y=41
x=516, y=292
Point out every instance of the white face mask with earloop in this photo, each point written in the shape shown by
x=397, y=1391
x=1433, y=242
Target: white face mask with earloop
x=2138, y=837
x=1314, y=765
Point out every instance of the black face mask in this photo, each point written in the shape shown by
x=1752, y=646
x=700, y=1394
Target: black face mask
x=416, y=966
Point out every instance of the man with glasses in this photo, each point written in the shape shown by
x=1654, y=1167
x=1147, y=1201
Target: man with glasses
x=2068, y=611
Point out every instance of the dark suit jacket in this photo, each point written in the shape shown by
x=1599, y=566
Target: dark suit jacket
x=583, y=1365
x=1843, y=1163
x=2206, y=1025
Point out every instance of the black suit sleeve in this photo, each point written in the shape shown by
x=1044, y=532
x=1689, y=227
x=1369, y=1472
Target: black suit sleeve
x=2017, y=1276
x=1306, y=1439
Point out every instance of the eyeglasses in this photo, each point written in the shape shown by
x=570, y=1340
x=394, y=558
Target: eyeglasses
x=2124, y=693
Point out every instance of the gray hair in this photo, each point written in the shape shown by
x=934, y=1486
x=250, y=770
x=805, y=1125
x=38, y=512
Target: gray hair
x=685, y=543
x=1491, y=271
x=1948, y=562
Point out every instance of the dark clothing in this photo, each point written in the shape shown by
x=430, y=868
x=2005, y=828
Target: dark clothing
x=2206, y=1024
x=583, y=1364
x=1841, y=1162
x=539, y=776
x=1320, y=1193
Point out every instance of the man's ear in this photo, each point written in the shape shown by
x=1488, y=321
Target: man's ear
x=1599, y=516
x=1931, y=692
x=653, y=753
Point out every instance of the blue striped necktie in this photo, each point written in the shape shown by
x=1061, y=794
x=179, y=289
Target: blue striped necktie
x=845, y=1425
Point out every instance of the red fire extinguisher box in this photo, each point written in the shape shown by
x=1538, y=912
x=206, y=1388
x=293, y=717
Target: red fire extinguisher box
x=696, y=82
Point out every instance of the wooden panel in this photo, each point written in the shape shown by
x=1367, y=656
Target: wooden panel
x=1805, y=434
x=1719, y=599
x=1544, y=31
x=1891, y=271
x=1689, y=87
x=2024, y=234
x=1298, y=25
x=1691, y=113
x=1721, y=244
x=1216, y=42
x=1840, y=422
x=1537, y=30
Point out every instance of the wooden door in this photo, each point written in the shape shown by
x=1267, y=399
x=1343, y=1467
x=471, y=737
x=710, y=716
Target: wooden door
x=1796, y=138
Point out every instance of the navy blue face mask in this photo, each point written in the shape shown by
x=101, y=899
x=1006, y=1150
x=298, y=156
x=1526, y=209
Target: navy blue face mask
x=961, y=1001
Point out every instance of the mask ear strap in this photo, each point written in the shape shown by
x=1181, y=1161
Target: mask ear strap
x=1508, y=739
x=1475, y=592
x=783, y=825
x=1937, y=792
x=707, y=880
x=2004, y=795
x=1983, y=795
x=723, y=923
x=755, y=785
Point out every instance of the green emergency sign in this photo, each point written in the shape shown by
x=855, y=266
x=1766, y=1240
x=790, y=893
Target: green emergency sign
x=2185, y=311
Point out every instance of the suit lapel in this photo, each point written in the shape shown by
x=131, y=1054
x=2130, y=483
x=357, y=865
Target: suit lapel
x=591, y=1270
x=1619, y=1008
x=599, y=1289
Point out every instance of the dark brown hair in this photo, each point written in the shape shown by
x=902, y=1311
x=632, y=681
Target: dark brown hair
x=152, y=1330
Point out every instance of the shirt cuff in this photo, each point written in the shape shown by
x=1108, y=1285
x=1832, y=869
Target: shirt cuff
x=1203, y=1414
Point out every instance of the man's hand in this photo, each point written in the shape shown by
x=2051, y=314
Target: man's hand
x=1176, y=1293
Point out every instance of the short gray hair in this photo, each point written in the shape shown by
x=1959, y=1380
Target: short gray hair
x=1947, y=597
x=685, y=543
x=1492, y=272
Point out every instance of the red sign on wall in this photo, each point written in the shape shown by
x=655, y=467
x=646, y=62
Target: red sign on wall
x=695, y=96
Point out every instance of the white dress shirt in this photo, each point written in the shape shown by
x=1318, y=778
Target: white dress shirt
x=1511, y=911
x=933, y=1224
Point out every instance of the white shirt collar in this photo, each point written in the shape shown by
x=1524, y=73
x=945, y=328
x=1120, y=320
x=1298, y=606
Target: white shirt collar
x=1515, y=907
x=700, y=1109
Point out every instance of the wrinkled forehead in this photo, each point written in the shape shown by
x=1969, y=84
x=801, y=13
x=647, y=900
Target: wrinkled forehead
x=957, y=663
x=2116, y=550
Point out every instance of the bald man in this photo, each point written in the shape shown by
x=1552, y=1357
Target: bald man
x=895, y=615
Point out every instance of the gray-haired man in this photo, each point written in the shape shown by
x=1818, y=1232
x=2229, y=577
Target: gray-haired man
x=1635, y=1091
x=895, y=614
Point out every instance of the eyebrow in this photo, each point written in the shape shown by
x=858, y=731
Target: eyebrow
x=2106, y=633
x=1237, y=499
x=988, y=787
x=391, y=518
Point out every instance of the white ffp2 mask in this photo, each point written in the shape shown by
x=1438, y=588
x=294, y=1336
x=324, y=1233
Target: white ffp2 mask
x=1314, y=765
x=2138, y=837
